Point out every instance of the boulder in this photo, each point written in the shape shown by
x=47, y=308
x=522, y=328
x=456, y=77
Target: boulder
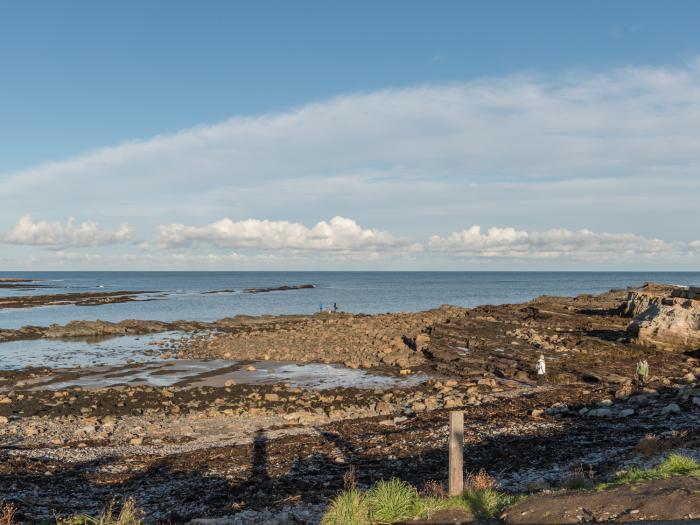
x=669, y=322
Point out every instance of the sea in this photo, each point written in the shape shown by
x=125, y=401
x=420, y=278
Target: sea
x=171, y=296
x=184, y=295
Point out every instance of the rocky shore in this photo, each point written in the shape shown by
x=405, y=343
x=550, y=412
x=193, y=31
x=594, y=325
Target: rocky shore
x=241, y=452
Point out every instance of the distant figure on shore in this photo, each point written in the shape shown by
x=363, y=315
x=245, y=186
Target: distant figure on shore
x=541, y=369
x=335, y=308
x=642, y=372
x=320, y=307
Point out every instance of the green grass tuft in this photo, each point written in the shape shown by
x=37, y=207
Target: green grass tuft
x=675, y=465
x=428, y=505
x=348, y=508
x=392, y=500
x=488, y=503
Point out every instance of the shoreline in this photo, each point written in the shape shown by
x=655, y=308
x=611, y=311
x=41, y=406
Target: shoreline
x=227, y=441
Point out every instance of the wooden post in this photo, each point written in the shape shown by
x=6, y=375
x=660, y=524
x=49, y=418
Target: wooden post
x=456, y=445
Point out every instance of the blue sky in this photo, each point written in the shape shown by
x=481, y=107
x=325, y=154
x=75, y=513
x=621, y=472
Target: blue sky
x=154, y=123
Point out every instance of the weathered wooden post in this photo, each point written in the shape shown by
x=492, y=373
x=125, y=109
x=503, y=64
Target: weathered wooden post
x=456, y=446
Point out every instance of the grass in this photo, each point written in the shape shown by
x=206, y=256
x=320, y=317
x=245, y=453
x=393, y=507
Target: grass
x=348, y=507
x=129, y=514
x=488, y=503
x=7, y=514
x=675, y=465
x=392, y=501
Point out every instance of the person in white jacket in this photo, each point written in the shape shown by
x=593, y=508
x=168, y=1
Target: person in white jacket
x=541, y=369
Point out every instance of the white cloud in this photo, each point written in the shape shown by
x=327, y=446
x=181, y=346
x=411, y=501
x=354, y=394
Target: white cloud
x=338, y=234
x=630, y=121
x=559, y=243
x=611, y=151
x=57, y=234
x=65, y=256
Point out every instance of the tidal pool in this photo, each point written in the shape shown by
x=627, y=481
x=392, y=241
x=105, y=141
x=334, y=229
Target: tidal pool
x=216, y=372
x=73, y=352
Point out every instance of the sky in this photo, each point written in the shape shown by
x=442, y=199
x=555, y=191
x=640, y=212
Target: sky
x=392, y=135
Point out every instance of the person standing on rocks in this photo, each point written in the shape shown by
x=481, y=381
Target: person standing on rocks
x=541, y=369
x=320, y=307
x=642, y=372
x=335, y=308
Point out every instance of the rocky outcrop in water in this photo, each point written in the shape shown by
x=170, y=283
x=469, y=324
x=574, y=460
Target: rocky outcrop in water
x=77, y=299
x=280, y=288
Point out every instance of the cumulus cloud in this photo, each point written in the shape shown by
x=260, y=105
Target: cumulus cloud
x=338, y=234
x=66, y=256
x=558, y=243
x=57, y=234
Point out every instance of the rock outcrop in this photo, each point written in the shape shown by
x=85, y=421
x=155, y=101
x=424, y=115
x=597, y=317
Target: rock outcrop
x=665, y=317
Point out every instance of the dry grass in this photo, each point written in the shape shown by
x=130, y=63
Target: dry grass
x=350, y=478
x=482, y=480
x=580, y=479
x=433, y=489
x=482, y=496
x=650, y=445
x=129, y=514
x=7, y=514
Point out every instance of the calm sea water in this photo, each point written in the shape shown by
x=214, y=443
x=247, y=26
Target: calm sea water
x=180, y=294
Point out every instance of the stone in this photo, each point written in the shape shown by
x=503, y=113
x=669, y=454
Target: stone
x=599, y=412
x=670, y=409
x=383, y=408
x=431, y=403
x=670, y=323
x=689, y=377
x=451, y=403
x=3, y=420
x=557, y=408
x=272, y=397
x=627, y=412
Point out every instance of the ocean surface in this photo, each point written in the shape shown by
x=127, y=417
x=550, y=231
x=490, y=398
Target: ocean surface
x=181, y=295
